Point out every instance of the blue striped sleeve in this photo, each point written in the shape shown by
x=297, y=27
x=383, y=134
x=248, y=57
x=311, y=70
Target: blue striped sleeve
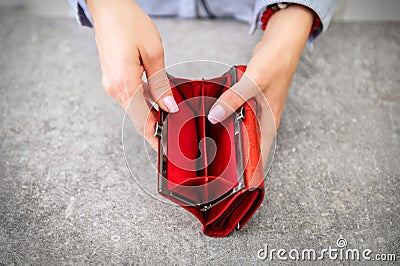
x=323, y=8
x=81, y=12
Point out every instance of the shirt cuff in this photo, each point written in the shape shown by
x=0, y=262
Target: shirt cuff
x=323, y=8
x=81, y=12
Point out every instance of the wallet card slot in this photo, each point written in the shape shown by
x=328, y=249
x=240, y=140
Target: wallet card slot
x=223, y=134
x=187, y=91
x=211, y=90
x=202, y=135
x=182, y=143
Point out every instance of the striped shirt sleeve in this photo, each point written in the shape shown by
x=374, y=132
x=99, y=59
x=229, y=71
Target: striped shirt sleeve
x=323, y=8
x=81, y=12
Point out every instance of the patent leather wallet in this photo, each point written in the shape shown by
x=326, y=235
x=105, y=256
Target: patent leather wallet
x=213, y=171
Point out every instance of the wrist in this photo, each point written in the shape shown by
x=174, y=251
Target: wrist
x=287, y=33
x=106, y=13
x=293, y=23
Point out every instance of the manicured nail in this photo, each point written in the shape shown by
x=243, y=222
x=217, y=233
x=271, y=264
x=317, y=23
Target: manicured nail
x=169, y=101
x=216, y=114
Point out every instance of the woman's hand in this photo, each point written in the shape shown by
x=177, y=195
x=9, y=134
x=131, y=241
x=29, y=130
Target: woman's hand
x=129, y=44
x=271, y=67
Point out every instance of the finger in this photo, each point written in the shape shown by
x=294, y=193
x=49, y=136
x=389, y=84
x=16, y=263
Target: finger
x=109, y=88
x=121, y=85
x=148, y=96
x=118, y=97
x=134, y=82
x=143, y=117
x=160, y=89
x=232, y=99
x=149, y=129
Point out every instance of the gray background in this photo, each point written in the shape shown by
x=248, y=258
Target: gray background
x=66, y=195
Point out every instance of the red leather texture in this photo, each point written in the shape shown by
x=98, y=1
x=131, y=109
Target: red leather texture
x=192, y=162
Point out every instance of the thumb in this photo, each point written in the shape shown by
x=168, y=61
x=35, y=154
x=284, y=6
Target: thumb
x=158, y=82
x=232, y=99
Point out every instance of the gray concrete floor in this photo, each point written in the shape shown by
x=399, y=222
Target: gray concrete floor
x=66, y=195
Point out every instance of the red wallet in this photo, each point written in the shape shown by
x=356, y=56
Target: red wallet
x=213, y=171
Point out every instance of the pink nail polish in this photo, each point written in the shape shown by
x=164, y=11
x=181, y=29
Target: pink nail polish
x=169, y=101
x=212, y=120
x=216, y=114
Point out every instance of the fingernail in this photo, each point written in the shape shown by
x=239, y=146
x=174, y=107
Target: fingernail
x=216, y=114
x=169, y=101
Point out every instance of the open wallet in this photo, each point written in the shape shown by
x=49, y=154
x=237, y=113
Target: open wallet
x=213, y=171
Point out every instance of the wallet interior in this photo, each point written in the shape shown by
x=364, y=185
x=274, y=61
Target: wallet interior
x=198, y=171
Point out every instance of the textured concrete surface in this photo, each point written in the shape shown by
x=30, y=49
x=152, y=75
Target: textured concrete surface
x=66, y=196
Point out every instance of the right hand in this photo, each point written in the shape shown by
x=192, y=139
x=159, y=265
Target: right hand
x=129, y=44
